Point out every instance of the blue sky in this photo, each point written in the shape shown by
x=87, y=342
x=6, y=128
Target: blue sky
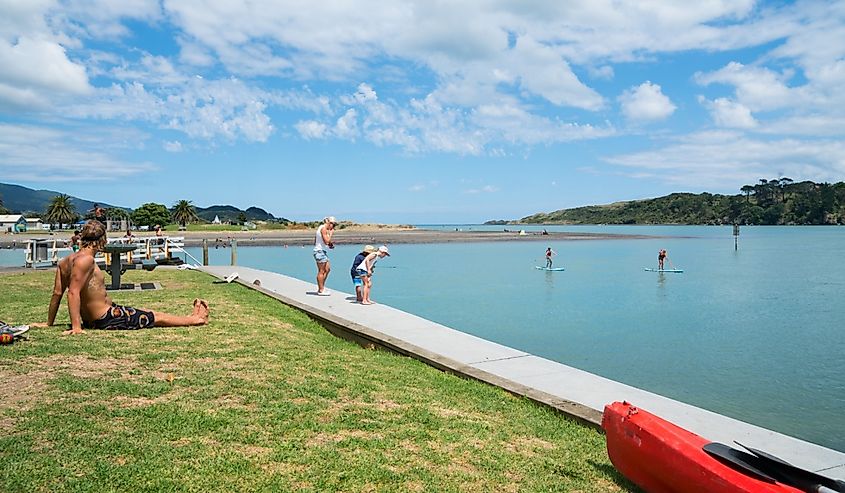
x=417, y=111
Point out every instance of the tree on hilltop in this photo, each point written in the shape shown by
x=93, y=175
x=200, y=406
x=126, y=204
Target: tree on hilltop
x=61, y=210
x=183, y=212
x=747, y=189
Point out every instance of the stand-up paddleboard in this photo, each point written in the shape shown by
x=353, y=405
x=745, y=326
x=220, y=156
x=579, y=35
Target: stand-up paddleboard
x=551, y=269
x=677, y=271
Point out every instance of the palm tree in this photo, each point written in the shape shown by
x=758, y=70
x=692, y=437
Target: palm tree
x=183, y=213
x=61, y=210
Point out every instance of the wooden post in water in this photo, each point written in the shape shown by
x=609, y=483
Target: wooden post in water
x=736, y=236
x=205, y=251
x=234, y=251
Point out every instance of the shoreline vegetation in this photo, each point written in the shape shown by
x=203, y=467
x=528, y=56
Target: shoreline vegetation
x=776, y=202
x=261, y=399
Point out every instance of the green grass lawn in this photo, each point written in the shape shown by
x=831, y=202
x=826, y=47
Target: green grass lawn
x=261, y=399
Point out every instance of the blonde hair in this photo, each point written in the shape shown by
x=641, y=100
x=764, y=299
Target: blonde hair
x=93, y=235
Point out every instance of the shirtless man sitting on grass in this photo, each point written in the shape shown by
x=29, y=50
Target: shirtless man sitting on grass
x=88, y=303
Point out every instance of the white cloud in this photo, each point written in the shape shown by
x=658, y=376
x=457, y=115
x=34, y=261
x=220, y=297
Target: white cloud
x=484, y=189
x=757, y=88
x=311, y=129
x=192, y=53
x=201, y=108
x=714, y=159
x=811, y=125
x=604, y=72
x=346, y=127
x=646, y=102
x=727, y=113
x=489, y=68
x=39, y=69
x=416, y=188
x=363, y=95
x=544, y=72
x=33, y=153
x=173, y=146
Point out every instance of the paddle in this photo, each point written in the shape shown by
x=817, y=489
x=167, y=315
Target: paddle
x=769, y=468
x=738, y=459
x=799, y=477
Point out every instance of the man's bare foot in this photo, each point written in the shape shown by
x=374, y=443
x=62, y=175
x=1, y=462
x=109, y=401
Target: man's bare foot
x=71, y=332
x=202, y=310
x=38, y=324
x=366, y=302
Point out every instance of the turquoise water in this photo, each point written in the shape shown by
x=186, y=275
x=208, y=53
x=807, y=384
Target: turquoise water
x=755, y=334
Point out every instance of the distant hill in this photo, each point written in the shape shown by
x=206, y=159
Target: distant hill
x=769, y=202
x=20, y=199
x=231, y=213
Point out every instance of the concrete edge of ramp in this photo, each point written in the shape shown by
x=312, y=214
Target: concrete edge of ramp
x=367, y=337
x=577, y=394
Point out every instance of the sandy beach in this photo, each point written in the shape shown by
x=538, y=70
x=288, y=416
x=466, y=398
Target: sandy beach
x=354, y=235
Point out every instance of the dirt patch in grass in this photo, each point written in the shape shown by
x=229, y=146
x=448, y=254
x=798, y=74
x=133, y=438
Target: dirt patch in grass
x=527, y=446
x=344, y=404
x=135, y=402
x=231, y=402
x=321, y=439
x=83, y=366
x=27, y=389
x=252, y=451
x=471, y=417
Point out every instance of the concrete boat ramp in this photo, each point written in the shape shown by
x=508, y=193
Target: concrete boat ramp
x=577, y=393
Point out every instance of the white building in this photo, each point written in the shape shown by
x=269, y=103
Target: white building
x=216, y=220
x=35, y=223
x=12, y=223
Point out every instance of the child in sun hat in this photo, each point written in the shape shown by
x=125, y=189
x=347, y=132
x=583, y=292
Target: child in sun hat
x=357, y=281
x=365, y=272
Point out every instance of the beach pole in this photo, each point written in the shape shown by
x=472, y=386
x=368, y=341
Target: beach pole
x=234, y=252
x=205, y=251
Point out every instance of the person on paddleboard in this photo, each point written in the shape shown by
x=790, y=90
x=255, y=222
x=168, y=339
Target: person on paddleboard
x=549, y=254
x=661, y=256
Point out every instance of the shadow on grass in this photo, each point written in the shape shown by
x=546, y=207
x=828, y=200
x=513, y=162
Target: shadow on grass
x=620, y=480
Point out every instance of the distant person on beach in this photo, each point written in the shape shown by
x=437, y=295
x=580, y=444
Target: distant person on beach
x=128, y=237
x=158, y=230
x=90, y=306
x=661, y=256
x=99, y=213
x=74, y=241
x=357, y=281
x=322, y=244
x=549, y=254
x=365, y=272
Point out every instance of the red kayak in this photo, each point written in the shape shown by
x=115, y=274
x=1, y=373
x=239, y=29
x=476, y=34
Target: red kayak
x=661, y=457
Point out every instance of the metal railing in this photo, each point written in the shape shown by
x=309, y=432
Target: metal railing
x=158, y=248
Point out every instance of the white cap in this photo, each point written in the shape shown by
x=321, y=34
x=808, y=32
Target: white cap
x=383, y=249
x=330, y=219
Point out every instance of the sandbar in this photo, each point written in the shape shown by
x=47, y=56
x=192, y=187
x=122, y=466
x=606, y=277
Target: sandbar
x=352, y=235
